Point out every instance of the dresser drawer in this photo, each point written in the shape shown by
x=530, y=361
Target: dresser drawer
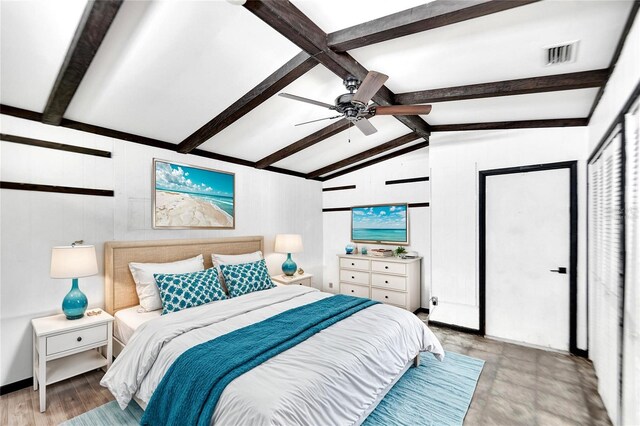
x=388, y=296
x=76, y=339
x=354, y=290
x=354, y=263
x=392, y=282
x=390, y=267
x=354, y=277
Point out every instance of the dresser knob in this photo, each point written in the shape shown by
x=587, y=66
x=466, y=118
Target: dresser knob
x=353, y=264
x=79, y=339
x=353, y=278
x=386, y=297
x=386, y=282
x=352, y=291
x=386, y=267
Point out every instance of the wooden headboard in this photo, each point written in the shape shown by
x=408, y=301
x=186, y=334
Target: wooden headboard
x=120, y=289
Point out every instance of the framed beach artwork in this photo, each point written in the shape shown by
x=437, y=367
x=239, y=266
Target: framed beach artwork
x=382, y=224
x=189, y=197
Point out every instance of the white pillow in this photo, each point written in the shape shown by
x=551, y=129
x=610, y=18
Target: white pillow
x=146, y=286
x=235, y=259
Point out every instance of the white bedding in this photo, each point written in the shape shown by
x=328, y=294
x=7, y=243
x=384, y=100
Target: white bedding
x=331, y=378
x=128, y=320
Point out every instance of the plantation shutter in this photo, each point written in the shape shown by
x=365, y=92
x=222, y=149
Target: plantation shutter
x=631, y=338
x=605, y=269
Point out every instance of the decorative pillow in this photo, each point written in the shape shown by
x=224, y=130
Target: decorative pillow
x=146, y=285
x=246, y=278
x=182, y=291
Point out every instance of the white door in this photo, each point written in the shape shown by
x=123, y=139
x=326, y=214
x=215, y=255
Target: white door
x=527, y=236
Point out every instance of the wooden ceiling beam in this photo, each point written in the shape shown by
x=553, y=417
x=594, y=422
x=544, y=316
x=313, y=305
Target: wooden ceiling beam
x=402, y=140
x=285, y=75
x=92, y=29
x=421, y=18
x=506, y=125
x=377, y=160
x=289, y=21
x=304, y=143
x=549, y=83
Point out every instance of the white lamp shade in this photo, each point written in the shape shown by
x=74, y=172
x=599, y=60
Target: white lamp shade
x=73, y=261
x=288, y=243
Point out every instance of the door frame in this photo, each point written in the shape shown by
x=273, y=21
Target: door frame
x=573, y=236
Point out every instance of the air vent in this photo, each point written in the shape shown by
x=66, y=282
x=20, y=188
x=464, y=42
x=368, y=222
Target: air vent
x=561, y=53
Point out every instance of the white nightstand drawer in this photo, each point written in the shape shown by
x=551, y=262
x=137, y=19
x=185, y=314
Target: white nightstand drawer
x=305, y=282
x=390, y=267
x=354, y=277
x=392, y=282
x=354, y=264
x=387, y=296
x=76, y=339
x=354, y=290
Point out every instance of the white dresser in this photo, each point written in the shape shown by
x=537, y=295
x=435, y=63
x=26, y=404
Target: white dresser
x=385, y=279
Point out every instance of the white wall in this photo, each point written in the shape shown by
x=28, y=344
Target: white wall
x=371, y=189
x=32, y=222
x=455, y=160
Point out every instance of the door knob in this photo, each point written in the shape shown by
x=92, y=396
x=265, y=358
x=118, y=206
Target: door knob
x=560, y=270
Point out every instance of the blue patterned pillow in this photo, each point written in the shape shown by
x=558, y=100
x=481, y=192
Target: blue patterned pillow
x=182, y=291
x=245, y=278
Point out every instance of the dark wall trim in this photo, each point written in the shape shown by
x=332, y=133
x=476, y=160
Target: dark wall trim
x=347, y=209
x=12, y=387
x=52, y=188
x=338, y=188
x=54, y=145
x=508, y=125
x=618, y=119
x=409, y=180
x=456, y=328
x=573, y=236
x=142, y=140
x=616, y=55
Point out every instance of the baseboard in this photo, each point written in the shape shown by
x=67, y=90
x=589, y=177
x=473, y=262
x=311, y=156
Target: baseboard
x=456, y=328
x=584, y=353
x=12, y=387
x=421, y=310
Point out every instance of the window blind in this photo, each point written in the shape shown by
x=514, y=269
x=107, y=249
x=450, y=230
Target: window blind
x=605, y=269
x=631, y=338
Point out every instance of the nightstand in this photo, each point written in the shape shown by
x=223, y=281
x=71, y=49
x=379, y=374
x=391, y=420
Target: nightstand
x=296, y=279
x=64, y=348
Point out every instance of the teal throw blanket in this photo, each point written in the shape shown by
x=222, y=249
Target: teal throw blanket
x=189, y=391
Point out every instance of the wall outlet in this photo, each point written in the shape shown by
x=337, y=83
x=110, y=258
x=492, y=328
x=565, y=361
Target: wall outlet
x=434, y=301
x=330, y=285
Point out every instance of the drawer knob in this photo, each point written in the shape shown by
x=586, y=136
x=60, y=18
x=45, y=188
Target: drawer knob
x=386, y=267
x=79, y=339
x=386, y=297
x=353, y=291
x=353, y=264
x=386, y=282
x=353, y=278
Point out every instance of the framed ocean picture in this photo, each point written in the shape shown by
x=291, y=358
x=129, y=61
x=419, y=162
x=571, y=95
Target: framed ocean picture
x=382, y=224
x=189, y=197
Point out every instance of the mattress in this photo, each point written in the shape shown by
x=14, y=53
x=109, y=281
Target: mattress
x=128, y=320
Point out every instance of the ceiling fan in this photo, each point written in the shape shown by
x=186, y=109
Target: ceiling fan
x=355, y=106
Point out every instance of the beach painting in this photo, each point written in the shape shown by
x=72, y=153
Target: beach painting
x=192, y=197
x=382, y=224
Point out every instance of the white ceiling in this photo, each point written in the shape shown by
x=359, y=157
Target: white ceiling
x=167, y=67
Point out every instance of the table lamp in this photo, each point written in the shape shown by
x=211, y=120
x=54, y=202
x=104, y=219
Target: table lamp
x=74, y=261
x=288, y=243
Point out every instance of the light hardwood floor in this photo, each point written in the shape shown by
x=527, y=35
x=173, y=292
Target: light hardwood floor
x=65, y=400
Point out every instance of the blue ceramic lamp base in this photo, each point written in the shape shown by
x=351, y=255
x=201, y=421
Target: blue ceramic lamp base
x=75, y=302
x=289, y=267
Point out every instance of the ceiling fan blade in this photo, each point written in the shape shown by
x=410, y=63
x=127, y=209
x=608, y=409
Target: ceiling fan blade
x=365, y=126
x=369, y=87
x=319, y=119
x=403, y=110
x=306, y=100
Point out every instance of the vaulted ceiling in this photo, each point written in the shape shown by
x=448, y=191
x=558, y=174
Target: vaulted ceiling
x=202, y=76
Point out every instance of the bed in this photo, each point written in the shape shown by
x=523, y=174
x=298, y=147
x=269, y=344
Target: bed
x=337, y=376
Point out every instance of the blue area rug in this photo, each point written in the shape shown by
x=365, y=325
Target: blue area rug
x=435, y=393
